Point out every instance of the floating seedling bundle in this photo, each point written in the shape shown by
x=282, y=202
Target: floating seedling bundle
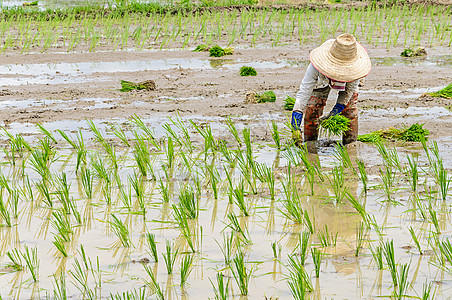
x=443, y=93
x=253, y=97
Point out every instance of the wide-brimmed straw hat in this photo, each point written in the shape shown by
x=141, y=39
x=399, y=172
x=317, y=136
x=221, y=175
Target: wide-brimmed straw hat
x=342, y=59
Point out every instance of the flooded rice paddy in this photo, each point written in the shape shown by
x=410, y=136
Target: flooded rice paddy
x=89, y=196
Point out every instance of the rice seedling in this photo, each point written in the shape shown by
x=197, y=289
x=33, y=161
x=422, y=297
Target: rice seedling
x=415, y=240
x=307, y=221
x=402, y=280
x=120, y=134
x=62, y=224
x=222, y=291
x=335, y=125
x=235, y=226
x=247, y=71
x=434, y=220
x=59, y=243
x=121, y=230
x=214, y=177
x=152, y=246
x=360, y=234
x=184, y=227
x=427, y=291
x=153, y=284
x=185, y=269
x=342, y=155
x=443, y=182
x=337, y=183
x=30, y=257
x=275, y=135
x=46, y=133
x=326, y=239
x=125, y=194
x=239, y=199
x=317, y=259
x=293, y=210
x=170, y=257
x=139, y=294
x=164, y=191
x=87, y=179
x=387, y=177
x=358, y=206
x=299, y=281
x=377, y=254
x=226, y=249
x=80, y=275
x=413, y=172
x=139, y=188
x=388, y=251
x=150, y=135
x=189, y=203
x=233, y=130
x=142, y=158
x=241, y=273
x=15, y=260
x=60, y=289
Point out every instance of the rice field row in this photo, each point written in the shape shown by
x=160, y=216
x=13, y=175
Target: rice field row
x=394, y=26
x=201, y=211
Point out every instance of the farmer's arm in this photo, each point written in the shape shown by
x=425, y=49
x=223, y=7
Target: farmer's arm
x=306, y=87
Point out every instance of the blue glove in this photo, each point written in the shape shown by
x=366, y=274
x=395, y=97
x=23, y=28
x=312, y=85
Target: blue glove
x=297, y=117
x=337, y=109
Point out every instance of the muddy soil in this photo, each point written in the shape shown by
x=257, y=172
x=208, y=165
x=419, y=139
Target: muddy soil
x=48, y=87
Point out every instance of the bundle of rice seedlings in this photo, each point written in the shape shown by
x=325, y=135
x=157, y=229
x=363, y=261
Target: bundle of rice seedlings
x=217, y=51
x=127, y=86
x=34, y=3
x=201, y=48
x=414, y=133
x=253, y=97
x=443, y=93
x=335, y=125
x=289, y=103
x=410, y=52
x=247, y=71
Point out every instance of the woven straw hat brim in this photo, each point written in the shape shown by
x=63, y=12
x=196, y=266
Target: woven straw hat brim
x=337, y=69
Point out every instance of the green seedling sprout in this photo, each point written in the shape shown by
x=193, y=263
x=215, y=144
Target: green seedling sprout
x=241, y=273
x=342, y=155
x=299, y=281
x=139, y=188
x=415, y=240
x=413, y=172
x=62, y=225
x=182, y=221
x=388, y=251
x=434, y=220
x=427, y=291
x=308, y=223
x=360, y=234
x=120, y=134
x=60, y=289
x=214, y=177
x=59, y=243
x=150, y=135
x=403, y=283
x=377, y=254
x=221, y=290
x=235, y=226
x=135, y=294
x=326, y=239
x=276, y=249
x=335, y=125
x=239, y=199
x=170, y=257
x=30, y=256
x=121, y=230
x=275, y=135
x=317, y=260
x=152, y=246
x=164, y=191
x=233, y=130
x=87, y=180
x=16, y=260
x=358, y=206
x=189, y=203
x=293, y=210
x=337, y=183
x=303, y=245
x=185, y=269
x=46, y=133
x=226, y=248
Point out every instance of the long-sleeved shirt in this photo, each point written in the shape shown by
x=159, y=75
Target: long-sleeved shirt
x=313, y=79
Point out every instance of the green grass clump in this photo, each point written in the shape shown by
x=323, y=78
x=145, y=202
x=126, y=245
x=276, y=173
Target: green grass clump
x=443, y=93
x=289, y=103
x=336, y=125
x=414, y=133
x=247, y=71
x=127, y=86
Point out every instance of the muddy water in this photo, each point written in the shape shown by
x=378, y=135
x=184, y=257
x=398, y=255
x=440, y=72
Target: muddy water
x=342, y=274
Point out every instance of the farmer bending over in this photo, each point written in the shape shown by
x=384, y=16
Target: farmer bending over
x=336, y=64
